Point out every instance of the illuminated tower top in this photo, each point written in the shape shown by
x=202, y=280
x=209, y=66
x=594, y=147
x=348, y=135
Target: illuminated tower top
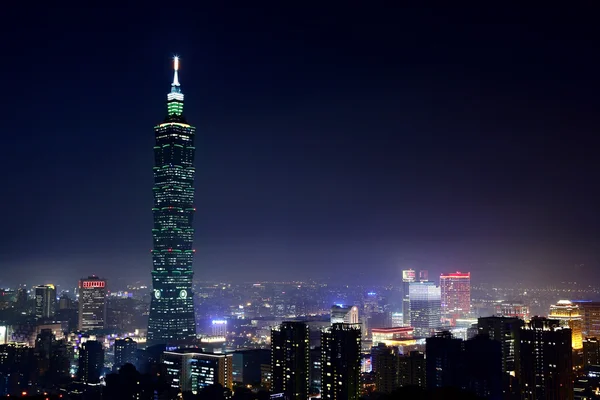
x=175, y=97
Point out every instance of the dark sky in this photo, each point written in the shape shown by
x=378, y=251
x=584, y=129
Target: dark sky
x=333, y=139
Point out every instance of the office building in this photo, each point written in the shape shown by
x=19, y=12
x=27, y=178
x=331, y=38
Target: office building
x=344, y=315
x=340, y=362
x=290, y=360
x=411, y=369
x=219, y=327
x=591, y=352
x=125, y=352
x=507, y=332
x=546, y=360
x=91, y=362
x=45, y=301
x=425, y=308
x=455, y=290
x=569, y=315
x=193, y=371
x=171, y=318
x=408, y=276
x=590, y=312
x=92, y=304
x=512, y=309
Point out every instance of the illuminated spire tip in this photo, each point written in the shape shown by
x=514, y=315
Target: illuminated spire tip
x=176, y=68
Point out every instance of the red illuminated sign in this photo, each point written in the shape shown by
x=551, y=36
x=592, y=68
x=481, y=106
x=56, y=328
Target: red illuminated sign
x=93, y=284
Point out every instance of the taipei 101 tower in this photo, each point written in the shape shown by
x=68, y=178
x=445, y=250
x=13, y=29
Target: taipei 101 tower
x=171, y=319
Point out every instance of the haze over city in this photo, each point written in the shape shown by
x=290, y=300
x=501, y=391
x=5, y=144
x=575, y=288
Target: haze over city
x=445, y=138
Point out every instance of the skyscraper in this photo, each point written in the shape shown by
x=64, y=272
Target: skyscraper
x=171, y=317
x=125, y=352
x=45, y=301
x=546, y=360
x=290, y=360
x=444, y=361
x=456, y=294
x=408, y=276
x=92, y=303
x=590, y=311
x=425, y=311
x=91, y=362
x=570, y=316
x=340, y=362
x=506, y=331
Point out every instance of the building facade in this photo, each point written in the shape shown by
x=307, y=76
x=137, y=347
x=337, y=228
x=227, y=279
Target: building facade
x=569, y=315
x=193, y=371
x=340, y=362
x=590, y=312
x=92, y=304
x=91, y=362
x=125, y=352
x=171, y=319
x=425, y=308
x=455, y=290
x=546, y=360
x=506, y=331
x=290, y=360
x=408, y=276
x=512, y=310
x=45, y=301
x=344, y=315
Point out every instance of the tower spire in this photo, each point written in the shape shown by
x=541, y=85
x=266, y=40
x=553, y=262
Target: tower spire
x=176, y=68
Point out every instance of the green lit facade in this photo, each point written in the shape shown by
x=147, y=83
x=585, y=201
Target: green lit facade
x=171, y=319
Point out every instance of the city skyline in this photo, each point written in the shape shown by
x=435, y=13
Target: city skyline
x=415, y=139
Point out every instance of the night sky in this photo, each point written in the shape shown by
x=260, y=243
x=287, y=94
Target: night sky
x=333, y=140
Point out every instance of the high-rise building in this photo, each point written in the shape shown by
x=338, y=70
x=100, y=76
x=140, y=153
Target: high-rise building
x=91, y=362
x=92, y=303
x=506, y=331
x=125, y=352
x=569, y=315
x=411, y=369
x=344, y=315
x=171, y=318
x=512, y=309
x=546, y=360
x=444, y=361
x=408, y=276
x=455, y=291
x=65, y=302
x=425, y=308
x=590, y=312
x=193, y=371
x=340, y=362
x=290, y=360
x=385, y=366
x=483, y=367
x=45, y=301
x=591, y=352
